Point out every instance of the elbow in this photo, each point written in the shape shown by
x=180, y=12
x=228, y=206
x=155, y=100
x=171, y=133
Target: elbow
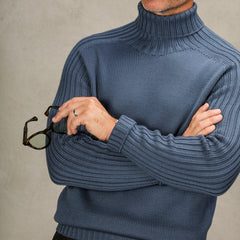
x=53, y=171
x=224, y=165
x=214, y=189
x=217, y=191
x=55, y=178
x=221, y=184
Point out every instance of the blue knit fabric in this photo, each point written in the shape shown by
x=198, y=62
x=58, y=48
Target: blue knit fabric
x=148, y=181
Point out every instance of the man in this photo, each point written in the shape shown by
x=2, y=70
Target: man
x=133, y=165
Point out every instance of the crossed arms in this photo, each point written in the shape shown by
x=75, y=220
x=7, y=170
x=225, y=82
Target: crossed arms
x=136, y=156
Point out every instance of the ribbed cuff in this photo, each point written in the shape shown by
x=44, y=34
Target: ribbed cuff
x=119, y=133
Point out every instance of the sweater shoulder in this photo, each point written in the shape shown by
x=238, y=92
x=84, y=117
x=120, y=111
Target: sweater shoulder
x=217, y=48
x=110, y=36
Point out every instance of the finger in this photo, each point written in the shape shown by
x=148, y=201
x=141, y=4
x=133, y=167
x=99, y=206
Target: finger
x=64, y=105
x=69, y=120
x=79, y=109
x=67, y=110
x=203, y=108
x=208, y=114
x=60, y=115
x=213, y=120
x=73, y=100
x=75, y=122
x=208, y=122
x=207, y=130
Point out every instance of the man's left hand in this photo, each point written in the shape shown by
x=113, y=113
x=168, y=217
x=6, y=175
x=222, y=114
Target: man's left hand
x=90, y=113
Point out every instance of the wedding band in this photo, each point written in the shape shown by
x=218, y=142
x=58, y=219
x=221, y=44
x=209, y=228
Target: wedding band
x=74, y=113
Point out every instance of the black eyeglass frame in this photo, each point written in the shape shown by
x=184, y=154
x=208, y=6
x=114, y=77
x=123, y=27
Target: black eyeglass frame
x=26, y=140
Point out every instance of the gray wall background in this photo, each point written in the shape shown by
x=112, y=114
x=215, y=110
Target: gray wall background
x=36, y=37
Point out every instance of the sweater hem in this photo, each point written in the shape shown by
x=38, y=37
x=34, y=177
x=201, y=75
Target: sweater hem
x=78, y=233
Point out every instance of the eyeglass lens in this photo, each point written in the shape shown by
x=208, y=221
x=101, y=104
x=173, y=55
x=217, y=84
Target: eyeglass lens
x=60, y=127
x=39, y=141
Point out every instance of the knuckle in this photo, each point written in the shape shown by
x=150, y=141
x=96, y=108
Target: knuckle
x=82, y=122
x=217, y=118
x=91, y=104
x=196, y=117
x=201, y=132
x=71, y=127
x=199, y=125
x=74, y=121
x=211, y=112
x=87, y=113
x=92, y=100
x=62, y=106
x=68, y=107
x=90, y=107
x=211, y=121
x=212, y=127
x=69, y=122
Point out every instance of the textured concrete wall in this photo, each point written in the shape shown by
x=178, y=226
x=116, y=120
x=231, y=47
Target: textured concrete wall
x=36, y=37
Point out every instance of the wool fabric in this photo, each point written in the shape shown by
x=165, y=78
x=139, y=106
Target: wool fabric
x=148, y=182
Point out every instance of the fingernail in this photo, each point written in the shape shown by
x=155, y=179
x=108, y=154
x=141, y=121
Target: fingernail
x=206, y=104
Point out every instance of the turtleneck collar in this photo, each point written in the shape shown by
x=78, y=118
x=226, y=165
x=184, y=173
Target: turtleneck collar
x=170, y=26
x=159, y=35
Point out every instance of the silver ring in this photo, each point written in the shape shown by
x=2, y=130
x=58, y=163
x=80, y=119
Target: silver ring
x=74, y=113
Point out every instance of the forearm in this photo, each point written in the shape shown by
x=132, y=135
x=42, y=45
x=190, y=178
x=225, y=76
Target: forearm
x=201, y=164
x=83, y=162
x=196, y=163
x=79, y=160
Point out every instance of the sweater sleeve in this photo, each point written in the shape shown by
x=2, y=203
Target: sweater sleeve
x=207, y=164
x=82, y=160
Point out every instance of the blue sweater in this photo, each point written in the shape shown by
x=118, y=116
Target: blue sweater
x=148, y=182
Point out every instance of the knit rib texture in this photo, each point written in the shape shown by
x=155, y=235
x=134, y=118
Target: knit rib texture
x=148, y=182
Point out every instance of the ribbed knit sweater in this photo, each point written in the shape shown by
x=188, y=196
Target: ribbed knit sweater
x=148, y=182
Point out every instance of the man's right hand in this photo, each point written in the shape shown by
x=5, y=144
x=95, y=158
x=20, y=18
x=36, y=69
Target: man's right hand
x=203, y=121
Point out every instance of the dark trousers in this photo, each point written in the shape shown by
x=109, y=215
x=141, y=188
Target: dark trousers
x=58, y=236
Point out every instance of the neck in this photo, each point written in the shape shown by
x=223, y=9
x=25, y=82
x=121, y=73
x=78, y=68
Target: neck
x=159, y=35
x=160, y=8
x=171, y=26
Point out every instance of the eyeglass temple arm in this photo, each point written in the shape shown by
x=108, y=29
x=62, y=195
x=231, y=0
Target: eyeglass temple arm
x=25, y=129
x=47, y=111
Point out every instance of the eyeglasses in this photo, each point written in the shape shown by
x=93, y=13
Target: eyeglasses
x=42, y=139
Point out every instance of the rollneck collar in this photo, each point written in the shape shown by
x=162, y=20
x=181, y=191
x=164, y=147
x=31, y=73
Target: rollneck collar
x=160, y=35
x=170, y=26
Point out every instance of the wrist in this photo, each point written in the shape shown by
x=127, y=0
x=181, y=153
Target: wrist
x=112, y=126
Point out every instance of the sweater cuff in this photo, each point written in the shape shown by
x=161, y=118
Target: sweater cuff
x=119, y=133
